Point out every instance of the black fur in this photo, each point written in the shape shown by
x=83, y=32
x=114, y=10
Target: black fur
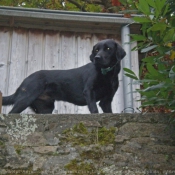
x=81, y=86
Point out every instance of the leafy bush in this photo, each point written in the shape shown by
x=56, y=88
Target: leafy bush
x=157, y=42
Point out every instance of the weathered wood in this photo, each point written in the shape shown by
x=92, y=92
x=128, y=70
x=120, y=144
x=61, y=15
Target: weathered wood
x=68, y=61
x=0, y=102
x=5, y=47
x=35, y=51
x=84, y=48
x=17, y=69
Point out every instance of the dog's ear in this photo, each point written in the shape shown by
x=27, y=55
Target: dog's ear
x=92, y=55
x=120, y=53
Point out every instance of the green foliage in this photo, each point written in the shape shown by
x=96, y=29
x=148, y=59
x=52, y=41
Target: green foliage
x=78, y=168
x=79, y=135
x=130, y=73
x=92, y=143
x=18, y=149
x=2, y=144
x=157, y=42
x=78, y=5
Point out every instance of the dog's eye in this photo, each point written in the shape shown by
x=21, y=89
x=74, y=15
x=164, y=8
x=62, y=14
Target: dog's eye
x=96, y=50
x=108, y=48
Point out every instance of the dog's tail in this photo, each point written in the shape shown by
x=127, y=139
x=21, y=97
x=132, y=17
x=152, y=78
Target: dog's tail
x=8, y=100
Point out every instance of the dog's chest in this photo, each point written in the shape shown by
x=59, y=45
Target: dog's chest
x=103, y=86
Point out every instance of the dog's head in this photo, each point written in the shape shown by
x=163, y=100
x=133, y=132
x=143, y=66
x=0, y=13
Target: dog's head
x=107, y=53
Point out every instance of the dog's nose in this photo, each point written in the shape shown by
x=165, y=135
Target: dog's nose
x=97, y=57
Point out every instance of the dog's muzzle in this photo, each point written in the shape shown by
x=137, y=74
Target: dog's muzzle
x=97, y=59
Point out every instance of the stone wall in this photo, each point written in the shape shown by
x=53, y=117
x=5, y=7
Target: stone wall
x=103, y=144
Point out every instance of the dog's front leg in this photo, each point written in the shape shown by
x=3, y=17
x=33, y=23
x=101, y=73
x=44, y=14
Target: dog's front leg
x=89, y=95
x=105, y=104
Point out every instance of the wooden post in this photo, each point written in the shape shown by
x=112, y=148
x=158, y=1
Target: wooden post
x=0, y=101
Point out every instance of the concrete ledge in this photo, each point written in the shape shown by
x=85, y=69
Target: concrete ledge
x=105, y=144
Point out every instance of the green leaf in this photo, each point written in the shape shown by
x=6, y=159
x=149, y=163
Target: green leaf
x=160, y=4
x=163, y=49
x=151, y=69
x=172, y=73
x=166, y=9
x=172, y=102
x=151, y=3
x=158, y=26
x=161, y=68
x=148, y=94
x=144, y=81
x=141, y=19
x=172, y=22
x=173, y=37
x=144, y=28
x=149, y=60
x=131, y=76
x=144, y=7
x=169, y=35
x=148, y=48
x=123, y=2
x=130, y=73
x=154, y=87
x=137, y=37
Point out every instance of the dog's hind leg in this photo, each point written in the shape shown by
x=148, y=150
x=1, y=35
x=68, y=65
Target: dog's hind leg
x=27, y=93
x=24, y=100
x=41, y=106
x=20, y=105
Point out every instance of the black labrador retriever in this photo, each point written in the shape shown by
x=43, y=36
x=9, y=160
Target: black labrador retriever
x=96, y=81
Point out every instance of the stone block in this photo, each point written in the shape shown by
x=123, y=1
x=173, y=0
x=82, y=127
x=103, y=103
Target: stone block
x=45, y=149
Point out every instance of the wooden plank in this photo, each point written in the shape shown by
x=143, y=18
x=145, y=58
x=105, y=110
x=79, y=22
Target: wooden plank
x=5, y=48
x=68, y=61
x=118, y=100
x=51, y=50
x=0, y=102
x=84, y=48
x=52, y=54
x=35, y=54
x=35, y=51
x=17, y=60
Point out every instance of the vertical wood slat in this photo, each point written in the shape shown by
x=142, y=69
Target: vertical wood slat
x=0, y=102
x=52, y=54
x=118, y=100
x=17, y=65
x=84, y=48
x=5, y=40
x=68, y=61
x=17, y=60
x=35, y=51
x=51, y=51
x=35, y=57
